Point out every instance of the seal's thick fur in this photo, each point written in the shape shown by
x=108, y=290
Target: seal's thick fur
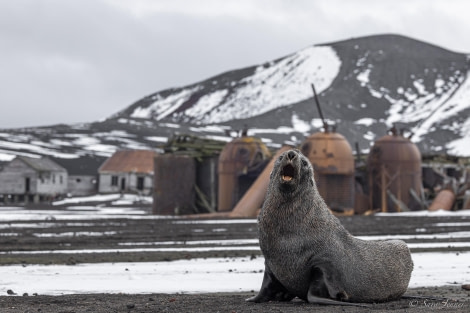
x=309, y=254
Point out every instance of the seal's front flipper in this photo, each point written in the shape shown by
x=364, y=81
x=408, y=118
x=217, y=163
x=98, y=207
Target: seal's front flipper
x=271, y=290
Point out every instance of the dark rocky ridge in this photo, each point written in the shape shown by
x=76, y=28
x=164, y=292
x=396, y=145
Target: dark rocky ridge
x=395, y=69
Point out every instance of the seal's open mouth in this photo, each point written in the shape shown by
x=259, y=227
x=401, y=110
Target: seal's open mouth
x=287, y=173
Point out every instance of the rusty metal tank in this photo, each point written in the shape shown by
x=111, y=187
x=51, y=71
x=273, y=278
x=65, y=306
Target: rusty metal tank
x=394, y=166
x=240, y=162
x=333, y=163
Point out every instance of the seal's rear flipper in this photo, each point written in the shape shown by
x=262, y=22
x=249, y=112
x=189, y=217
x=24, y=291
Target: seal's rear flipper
x=318, y=300
x=271, y=289
x=320, y=291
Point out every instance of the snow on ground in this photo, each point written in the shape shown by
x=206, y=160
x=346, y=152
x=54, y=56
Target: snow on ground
x=210, y=128
x=366, y=121
x=118, y=198
x=186, y=248
x=103, y=212
x=135, y=250
x=164, y=106
x=227, y=221
x=90, y=143
x=452, y=235
x=12, y=154
x=157, y=138
x=219, y=138
x=207, y=103
x=279, y=83
x=226, y=245
x=34, y=148
x=428, y=213
x=440, y=269
x=429, y=108
x=6, y=157
x=74, y=213
x=193, y=276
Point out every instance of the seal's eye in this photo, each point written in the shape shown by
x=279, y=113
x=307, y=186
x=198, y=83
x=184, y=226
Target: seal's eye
x=304, y=162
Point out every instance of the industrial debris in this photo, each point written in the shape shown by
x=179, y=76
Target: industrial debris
x=196, y=175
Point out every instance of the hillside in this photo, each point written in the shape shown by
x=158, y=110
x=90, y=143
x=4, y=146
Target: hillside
x=364, y=84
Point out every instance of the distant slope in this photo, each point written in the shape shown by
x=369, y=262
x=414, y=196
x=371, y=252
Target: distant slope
x=244, y=93
x=366, y=85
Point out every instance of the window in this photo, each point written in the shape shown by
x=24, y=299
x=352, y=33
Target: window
x=53, y=178
x=140, y=183
x=114, y=180
x=61, y=179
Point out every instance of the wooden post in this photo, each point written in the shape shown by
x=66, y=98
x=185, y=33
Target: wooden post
x=383, y=182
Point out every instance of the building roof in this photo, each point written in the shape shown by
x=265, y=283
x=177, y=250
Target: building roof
x=83, y=165
x=135, y=161
x=42, y=164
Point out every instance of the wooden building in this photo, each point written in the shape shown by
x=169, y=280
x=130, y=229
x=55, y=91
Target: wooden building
x=127, y=171
x=83, y=174
x=26, y=179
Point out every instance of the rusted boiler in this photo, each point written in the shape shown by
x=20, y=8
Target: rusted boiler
x=333, y=163
x=395, y=176
x=240, y=162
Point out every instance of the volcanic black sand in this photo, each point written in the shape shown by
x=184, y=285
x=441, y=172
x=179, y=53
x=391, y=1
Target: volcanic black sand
x=223, y=302
x=451, y=298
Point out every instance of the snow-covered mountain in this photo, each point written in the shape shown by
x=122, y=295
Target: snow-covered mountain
x=365, y=86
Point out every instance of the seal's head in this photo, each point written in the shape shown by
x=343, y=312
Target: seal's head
x=291, y=170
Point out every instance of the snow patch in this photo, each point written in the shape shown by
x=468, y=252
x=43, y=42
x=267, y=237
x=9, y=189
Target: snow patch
x=299, y=125
x=240, y=274
x=207, y=103
x=366, y=121
x=157, y=138
x=6, y=157
x=273, y=85
x=420, y=87
x=363, y=77
x=427, y=213
x=164, y=106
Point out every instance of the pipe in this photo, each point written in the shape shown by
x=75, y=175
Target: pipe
x=252, y=200
x=443, y=201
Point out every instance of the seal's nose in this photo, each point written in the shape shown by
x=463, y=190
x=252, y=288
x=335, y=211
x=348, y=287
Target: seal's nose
x=291, y=155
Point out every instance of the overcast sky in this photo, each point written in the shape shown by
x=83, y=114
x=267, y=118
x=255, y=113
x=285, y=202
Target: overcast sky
x=70, y=61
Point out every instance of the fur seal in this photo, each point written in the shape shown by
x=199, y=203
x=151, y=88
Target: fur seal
x=310, y=255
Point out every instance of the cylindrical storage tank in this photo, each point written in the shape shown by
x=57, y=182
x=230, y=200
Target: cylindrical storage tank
x=394, y=166
x=239, y=157
x=333, y=164
x=174, y=180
